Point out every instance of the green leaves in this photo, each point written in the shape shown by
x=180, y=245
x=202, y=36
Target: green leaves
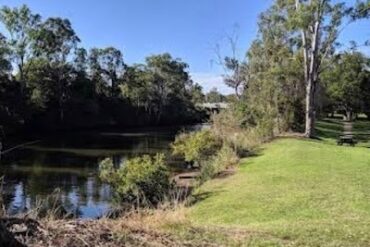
x=196, y=146
x=55, y=39
x=346, y=79
x=361, y=10
x=143, y=179
x=107, y=64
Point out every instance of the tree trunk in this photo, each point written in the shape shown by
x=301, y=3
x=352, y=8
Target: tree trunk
x=310, y=109
x=349, y=115
x=310, y=42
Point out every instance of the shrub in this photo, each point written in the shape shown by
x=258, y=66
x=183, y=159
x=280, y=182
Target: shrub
x=144, y=180
x=224, y=159
x=232, y=128
x=196, y=146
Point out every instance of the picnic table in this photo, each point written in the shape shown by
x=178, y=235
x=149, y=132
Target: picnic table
x=347, y=139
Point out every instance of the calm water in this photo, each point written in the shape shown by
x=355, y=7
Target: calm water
x=70, y=163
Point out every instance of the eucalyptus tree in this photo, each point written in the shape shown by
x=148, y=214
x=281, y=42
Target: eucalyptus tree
x=273, y=101
x=170, y=82
x=319, y=24
x=20, y=25
x=6, y=92
x=80, y=60
x=54, y=42
x=137, y=86
x=5, y=63
x=107, y=64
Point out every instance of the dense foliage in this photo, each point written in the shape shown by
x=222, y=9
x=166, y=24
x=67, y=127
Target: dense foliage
x=293, y=71
x=196, y=146
x=143, y=180
x=48, y=81
x=347, y=84
x=210, y=154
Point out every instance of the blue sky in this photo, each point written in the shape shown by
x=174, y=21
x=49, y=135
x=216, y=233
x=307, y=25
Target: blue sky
x=188, y=29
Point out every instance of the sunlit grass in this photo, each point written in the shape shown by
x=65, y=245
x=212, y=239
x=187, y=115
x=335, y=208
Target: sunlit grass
x=304, y=193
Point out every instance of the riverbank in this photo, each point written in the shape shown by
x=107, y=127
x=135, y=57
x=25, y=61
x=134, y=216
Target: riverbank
x=293, y=192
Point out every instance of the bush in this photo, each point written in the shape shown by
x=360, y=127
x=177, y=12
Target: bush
x=224, y=159
x=213, y=154
x=196, y=146
x=144, y=180
x=233, y=129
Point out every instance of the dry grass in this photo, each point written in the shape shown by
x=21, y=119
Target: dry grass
x=162, y=227
x=138, y=228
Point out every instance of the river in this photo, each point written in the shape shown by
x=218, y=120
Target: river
x=69, y=163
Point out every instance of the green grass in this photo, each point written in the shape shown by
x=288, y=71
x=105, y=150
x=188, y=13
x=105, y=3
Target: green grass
x=295, y=193
x=362, y=132
x=329, y=130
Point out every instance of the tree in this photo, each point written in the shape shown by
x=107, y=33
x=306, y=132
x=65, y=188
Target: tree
x=136, y=86
x=213, y=96
x=197, y=95
x=345, y=82
x=20, y=24
x=319, y=23
x=7, y=89
x=108, y=64
x=239, y=77
x=273, y=100
x=5, y=64
x=235, y=69
x=55, y=39
x=81, y=60
x=169, y=83
x=45, y=76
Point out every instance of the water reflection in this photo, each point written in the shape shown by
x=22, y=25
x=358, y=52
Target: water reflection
x=70, y=162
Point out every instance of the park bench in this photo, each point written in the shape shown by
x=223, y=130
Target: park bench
x=347, y=139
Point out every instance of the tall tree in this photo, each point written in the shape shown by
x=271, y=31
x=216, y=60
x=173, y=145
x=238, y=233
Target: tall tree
x=273, y=101
x=55, y=39
x=137, y=86
x=319, y=24
x=108, y=64
x=169, y=83
x=20, y=24
x=5, y=63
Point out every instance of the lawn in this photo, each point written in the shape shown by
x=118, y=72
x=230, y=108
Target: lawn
x=295, y=192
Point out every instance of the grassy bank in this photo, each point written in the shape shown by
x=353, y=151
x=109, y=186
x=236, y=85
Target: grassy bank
x=295, y=193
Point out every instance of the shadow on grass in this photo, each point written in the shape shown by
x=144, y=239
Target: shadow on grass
x=332, y=129
x=329, y=129
x=201, y=196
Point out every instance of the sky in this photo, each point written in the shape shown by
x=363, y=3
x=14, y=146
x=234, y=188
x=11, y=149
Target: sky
x=187, y=29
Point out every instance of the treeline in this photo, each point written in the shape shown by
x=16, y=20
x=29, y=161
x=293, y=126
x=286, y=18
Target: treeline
x=48, y=81
x=296, y=70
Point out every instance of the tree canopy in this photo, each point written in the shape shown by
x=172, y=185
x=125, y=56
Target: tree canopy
x=49, y=81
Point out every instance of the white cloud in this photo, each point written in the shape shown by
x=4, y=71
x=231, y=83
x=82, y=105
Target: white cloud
x=209, y=81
